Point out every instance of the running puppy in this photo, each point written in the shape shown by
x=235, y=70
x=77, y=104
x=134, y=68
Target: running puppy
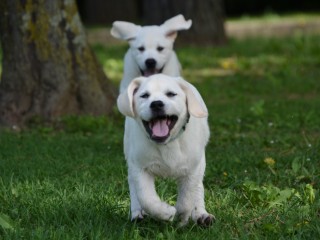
x=166, y=132
x=151, y=48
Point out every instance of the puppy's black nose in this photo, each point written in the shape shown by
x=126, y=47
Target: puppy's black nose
x=150, y=63
x=157, y=106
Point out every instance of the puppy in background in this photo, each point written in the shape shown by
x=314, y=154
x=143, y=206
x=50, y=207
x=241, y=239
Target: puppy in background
x=165, y=136
x=151, y=48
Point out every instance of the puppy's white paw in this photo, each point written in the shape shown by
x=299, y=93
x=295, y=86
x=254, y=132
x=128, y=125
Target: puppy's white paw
x=183, y=218
x=167, y=213
x=206, y=220
x=202, y=218
x=137, y=215
x=182, y=223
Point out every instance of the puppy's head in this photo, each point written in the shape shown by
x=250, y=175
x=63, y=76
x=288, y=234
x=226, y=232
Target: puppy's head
x=151, y=46
x=161, y=105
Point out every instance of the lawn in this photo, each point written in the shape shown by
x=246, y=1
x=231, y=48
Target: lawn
x=68, y=180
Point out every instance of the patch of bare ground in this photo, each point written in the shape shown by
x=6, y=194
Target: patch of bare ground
x=272, y=28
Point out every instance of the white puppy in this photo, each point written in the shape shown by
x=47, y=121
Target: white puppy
x=166, y=132
x=151, y=48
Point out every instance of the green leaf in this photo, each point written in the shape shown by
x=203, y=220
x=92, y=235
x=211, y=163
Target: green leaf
x=286, y=194
x=310, y=193
x=295, y=165
x=270, y=227
x=6, y=222
x=257, y=108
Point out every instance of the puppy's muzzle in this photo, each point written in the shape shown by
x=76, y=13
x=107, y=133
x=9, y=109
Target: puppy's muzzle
x=150, y=68
x=161, y=124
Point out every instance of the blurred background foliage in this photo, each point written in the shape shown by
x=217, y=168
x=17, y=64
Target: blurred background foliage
x=105, y=12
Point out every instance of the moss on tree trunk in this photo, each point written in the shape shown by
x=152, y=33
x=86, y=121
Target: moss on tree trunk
x=49, y=69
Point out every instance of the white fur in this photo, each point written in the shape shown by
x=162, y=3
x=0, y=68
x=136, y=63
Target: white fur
x=149, y=42
x=181, y=156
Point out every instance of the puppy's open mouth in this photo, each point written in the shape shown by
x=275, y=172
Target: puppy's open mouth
x=148, y=72
x=159, y=128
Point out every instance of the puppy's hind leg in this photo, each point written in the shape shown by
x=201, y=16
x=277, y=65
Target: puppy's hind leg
x=185, y=202
x=137, y=214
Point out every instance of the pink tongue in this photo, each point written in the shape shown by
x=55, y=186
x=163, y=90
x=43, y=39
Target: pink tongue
x=148, y=73
x=160, y=128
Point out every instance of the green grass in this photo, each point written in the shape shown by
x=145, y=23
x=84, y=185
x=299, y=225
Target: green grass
x=262, y=179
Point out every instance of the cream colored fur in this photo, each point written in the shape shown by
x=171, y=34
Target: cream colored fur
x=149, y=42
x=180, y=156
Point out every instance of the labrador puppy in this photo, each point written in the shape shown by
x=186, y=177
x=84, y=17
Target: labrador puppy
x=151, y=48
x=166, y=132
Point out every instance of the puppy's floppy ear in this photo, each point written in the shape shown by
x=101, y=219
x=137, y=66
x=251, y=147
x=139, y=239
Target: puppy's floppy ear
x=195, y=103
x=175, y=24
x=124, y=30
x=125, y=99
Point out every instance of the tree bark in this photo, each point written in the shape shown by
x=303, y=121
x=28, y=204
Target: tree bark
x=207, y=16
x=49, y=69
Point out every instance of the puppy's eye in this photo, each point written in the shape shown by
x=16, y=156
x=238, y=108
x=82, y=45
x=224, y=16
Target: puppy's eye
x=159, y=49
x=171, y=94
x=141, y=49
x=145, y=95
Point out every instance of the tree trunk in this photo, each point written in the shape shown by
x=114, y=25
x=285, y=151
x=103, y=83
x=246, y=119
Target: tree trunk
x=49, y=69
x=207, y=18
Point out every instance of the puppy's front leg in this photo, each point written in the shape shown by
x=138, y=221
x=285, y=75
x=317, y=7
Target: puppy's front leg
x=199, y=213
x=190, y=202
x=148, y=197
